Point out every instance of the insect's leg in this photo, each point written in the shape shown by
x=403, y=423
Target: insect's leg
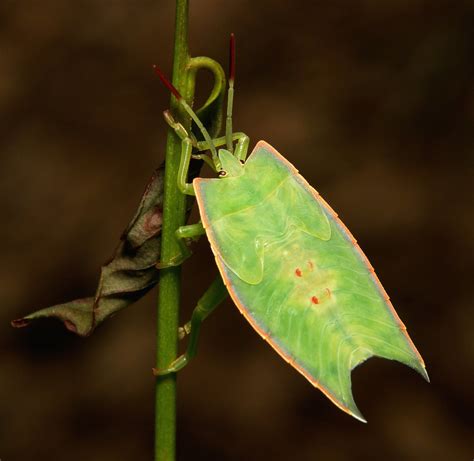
x=186, y=150
x=217, y=142
x=187, y=143
x=182, y=233
x=190, y=231
x=178, y=128
x=241, y=148
x=214, y=295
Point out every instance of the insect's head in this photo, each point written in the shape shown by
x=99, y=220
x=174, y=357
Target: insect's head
x=231, y=166
x=220, y=161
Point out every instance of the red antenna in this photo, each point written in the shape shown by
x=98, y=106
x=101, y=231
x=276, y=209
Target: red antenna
x=190, y=112
x=232, y=57
x=167, y=83
x=230, y=95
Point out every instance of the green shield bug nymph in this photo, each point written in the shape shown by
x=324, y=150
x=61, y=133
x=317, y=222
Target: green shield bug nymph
x=290, y=265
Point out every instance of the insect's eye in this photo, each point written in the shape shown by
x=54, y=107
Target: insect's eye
x=222, y=174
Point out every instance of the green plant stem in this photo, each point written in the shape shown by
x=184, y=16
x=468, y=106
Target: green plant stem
x=174, y=209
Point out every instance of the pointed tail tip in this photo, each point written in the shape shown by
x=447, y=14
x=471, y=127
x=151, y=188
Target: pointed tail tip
x=425, y=375
x=359, y=417
x=352, y=410
x=420, y=367
x=355, y=413
x=347, y=404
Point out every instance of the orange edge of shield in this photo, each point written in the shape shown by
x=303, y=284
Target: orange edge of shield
x=244, y=311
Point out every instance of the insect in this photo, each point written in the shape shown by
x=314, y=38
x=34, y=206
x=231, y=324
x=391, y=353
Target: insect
x=289, y=264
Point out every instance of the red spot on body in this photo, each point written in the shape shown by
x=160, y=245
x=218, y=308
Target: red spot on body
x=298, y=272
x=315, y=300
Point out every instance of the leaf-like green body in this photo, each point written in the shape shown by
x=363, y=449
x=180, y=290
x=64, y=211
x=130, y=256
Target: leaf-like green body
x=297, y=274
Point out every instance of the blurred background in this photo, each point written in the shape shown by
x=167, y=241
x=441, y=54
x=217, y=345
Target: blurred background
x=373, y=101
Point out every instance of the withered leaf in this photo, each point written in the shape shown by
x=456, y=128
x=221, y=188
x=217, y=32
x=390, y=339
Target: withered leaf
x=132, y=270
x=129, y=274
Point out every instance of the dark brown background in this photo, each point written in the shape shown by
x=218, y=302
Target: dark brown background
x=373, y=101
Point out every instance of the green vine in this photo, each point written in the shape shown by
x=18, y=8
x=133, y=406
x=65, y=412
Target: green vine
x=174, y=210
x=174, y=216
